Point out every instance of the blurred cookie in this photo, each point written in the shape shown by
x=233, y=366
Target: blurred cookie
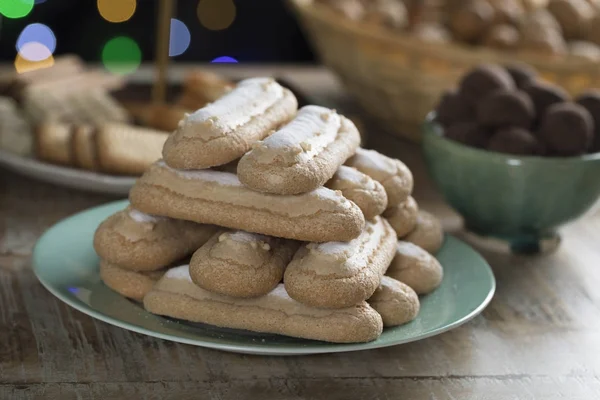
x=469, y=22
x=502, y=37
x=574, y=16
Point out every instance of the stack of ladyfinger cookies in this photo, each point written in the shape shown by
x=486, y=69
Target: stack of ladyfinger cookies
x=263, y=217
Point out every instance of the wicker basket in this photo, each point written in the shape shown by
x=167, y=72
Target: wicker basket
x=398, y=79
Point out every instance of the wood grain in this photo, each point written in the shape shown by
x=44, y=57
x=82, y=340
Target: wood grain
x=538, y=339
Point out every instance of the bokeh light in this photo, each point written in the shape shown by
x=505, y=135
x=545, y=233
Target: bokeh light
x=216, y=14
x=15, y=8
x=40, y=1
x=116, y=10
x=180, y=38
x=23, y=65
x=121, y=55
x=36, y=42
x=224, y=60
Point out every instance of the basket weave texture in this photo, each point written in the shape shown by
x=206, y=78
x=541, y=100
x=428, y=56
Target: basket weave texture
x=398, y=79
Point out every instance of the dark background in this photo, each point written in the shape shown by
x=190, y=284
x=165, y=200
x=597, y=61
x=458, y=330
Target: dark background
x=263, y=31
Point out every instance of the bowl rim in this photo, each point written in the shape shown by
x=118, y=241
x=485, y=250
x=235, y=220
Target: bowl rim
x=432, y=129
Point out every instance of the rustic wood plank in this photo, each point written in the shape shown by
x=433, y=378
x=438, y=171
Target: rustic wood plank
x=444, y=388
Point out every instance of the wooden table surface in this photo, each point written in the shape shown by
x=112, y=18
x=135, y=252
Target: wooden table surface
x=538, y=339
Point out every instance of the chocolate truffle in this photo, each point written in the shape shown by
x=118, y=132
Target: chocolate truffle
x=452, y=109
x=482, y=80
x=469, y=133
x=567, y=129
x=543, y=95
x=522, y=74
x=469, y=22
x=506, y=108
x=590, y=100
x=514, y=140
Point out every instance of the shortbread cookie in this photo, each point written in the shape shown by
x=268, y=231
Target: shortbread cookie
x=16, y=134
x=141, y=242
x=395, y=177
x=215, y=197
x=53, y=143
x=395, y=301
x=83, y=147
x=89, y=107
x=416, y=267
x=127, y=149
x=428, y=233
x=226, y=129
x=302, y=155
x=131, y=284
x=368, y=194
x=403, y=217
x=241, y=264
x=176, y=296
x=338, y=275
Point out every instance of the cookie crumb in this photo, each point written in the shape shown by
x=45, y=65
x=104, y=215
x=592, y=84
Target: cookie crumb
x=325, y=116
x=253, y=245
x=222, y=237
x=306, y=146
x=265, y=246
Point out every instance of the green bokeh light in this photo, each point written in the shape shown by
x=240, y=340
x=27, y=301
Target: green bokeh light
x=16, y=8
x=121, y=55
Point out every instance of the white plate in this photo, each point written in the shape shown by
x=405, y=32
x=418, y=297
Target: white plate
x=68, y=177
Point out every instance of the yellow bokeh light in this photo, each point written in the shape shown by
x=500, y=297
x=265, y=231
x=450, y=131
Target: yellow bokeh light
x=216, y=14
x=116, y=10
x=24, y=65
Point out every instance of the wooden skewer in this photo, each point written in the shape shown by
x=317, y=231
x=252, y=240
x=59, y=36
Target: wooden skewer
x=165, y=11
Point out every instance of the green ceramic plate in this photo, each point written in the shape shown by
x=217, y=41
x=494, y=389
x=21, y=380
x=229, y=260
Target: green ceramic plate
x=66, y=264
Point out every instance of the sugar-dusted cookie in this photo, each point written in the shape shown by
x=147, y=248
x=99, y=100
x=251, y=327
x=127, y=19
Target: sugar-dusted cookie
x=428, y=233
x=241, y=264
x=215, y=197
x=338, y=275
x=302, y=155
x=403, y=217
x=142, y=242
x=395, y=177
x=226, y=129
x=176, y=296
x=131, y=284
x=416, y=267
x=368, y=194
x=395, y=301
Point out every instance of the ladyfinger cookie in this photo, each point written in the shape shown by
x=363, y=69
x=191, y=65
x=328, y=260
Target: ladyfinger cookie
x=338, y=275
x=126, y=149
x=395, y=177
x=302, y=155
x=176, y=296
x=241, y=264
x=403, y=217
x=428, y=233
x=226, y=129
x=416, y=267
x=131, y=284
x=142, y=242
x=219, y=198
x=368, y=194
x=396, y=302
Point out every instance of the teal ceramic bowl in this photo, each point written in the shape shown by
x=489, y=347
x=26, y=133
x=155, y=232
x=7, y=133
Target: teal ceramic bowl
x=521, y=199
